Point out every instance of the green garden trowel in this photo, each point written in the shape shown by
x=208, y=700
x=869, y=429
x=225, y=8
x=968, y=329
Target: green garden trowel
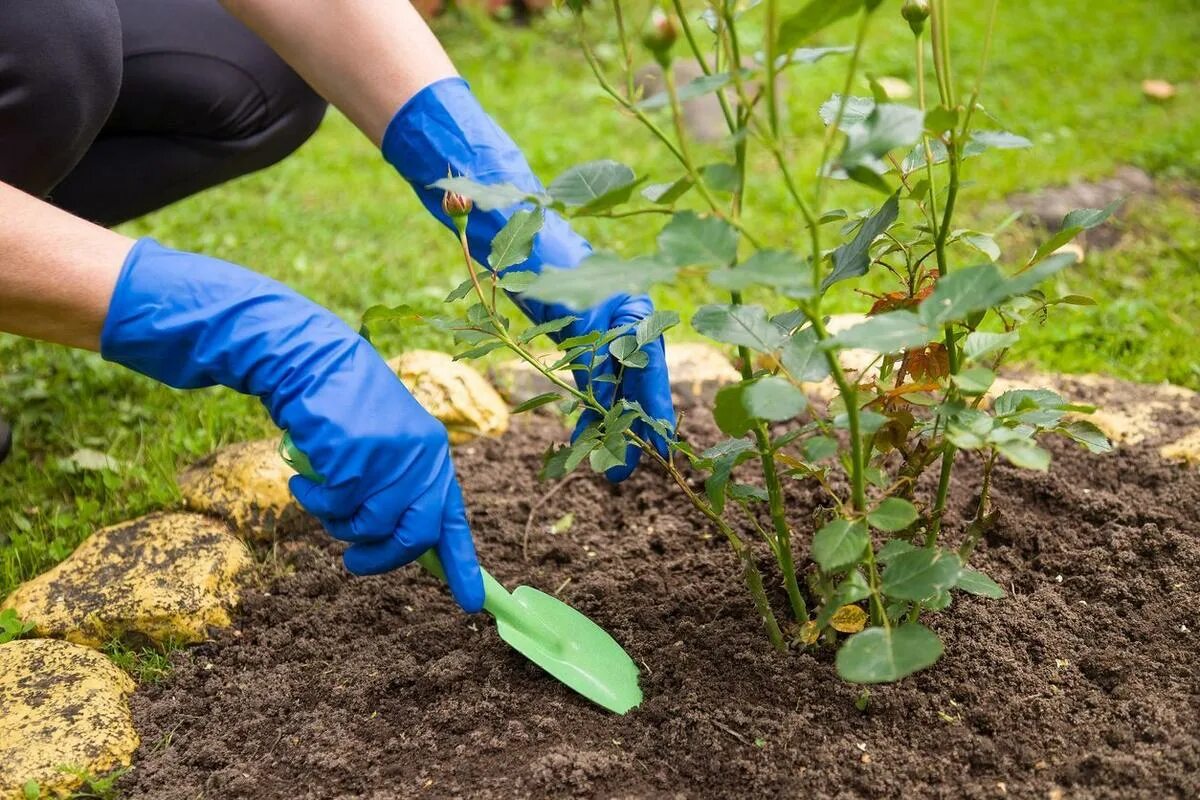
x=547, y=631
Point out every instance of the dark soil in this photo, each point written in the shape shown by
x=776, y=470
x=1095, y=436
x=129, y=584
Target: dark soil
x=1085, y=682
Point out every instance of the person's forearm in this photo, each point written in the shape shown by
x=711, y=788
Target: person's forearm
x=57, y=272
x=367, y=57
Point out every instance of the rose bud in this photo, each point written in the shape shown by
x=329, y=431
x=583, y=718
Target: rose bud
x=659, y=35
x=456, y=206
x=915, y=12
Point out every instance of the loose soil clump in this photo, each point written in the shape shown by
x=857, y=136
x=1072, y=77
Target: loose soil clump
x=1086, y=679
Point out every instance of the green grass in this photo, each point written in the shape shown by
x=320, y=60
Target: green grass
x=337, y=223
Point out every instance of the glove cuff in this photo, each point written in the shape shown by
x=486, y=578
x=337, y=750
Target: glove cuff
x=191, y=321
x=443, y=130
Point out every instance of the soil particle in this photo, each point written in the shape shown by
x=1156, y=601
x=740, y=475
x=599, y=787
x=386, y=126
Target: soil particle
x=1084, y=682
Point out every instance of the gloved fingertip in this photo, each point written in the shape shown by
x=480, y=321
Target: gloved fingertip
x=585, y=419
x=467, y=589
x=633, y=455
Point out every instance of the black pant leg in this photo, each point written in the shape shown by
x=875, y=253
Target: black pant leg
x=60, y=72
x=203, y=100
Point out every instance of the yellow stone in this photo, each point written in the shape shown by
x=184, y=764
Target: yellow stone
x=60, y=705
x=246, y=484
x=164, y=577
x=453, y=392
x=1186, y=449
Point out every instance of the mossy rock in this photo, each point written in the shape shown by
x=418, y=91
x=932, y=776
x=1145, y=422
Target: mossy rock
x=453, y=392
x=164, y=577
x=247, y=485
x=61, y=705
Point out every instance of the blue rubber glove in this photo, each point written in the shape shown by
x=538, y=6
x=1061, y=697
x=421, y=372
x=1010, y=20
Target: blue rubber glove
x=443, y=130
x=389, y=485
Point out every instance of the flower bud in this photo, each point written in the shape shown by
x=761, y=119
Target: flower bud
x=915, y=12
x=659, y=35
x=456, y=206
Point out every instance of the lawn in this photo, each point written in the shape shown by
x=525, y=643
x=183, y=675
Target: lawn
x=337, y=223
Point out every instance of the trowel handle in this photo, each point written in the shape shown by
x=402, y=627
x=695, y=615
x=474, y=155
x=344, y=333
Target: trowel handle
x=496, y=599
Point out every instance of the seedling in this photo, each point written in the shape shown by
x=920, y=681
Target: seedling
x=12, y=627
x=877, y=557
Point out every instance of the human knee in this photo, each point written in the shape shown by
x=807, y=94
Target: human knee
x=60, y=73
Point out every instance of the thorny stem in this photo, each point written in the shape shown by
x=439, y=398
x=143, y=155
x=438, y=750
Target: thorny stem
x=762, y=439
x=676, y=150
x=702, y=62
x=626, y=52
x=985, y=506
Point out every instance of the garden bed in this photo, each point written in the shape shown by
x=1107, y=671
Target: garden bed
x=1085, y=679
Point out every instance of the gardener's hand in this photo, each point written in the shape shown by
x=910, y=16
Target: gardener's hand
x=388, y=486
x=443, y=128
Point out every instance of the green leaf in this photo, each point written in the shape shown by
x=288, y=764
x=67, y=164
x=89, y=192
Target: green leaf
x=456, y=294
x=963, y=292
x=594, y=186
x=811, y=55
x=888, y=126
x=547, y=328
x=1073, y=224
x=819, y=448
x=745, y=492
x=729, y=412
x=741, y=325
x=973, y=581
x=774, y=399
x=705, y=84
x=1087, y=218
x=979, y=344
x=995, y=140
x=727, y=449
x=883, y=655
x=857, y=110
x=940, y=119
x=626, y=351
x=803, y=357
x=974, y=381
x=597, y=278
x=812, y=18
x=609, y=452
x=1016, y=400
x=489, y=197
x=893, y=514
x=893, y=548
x=919, y=574
x=853, y=259
x=517, y=280
x=868, y=421
x=691, y=240
x=514, y=242
x=1088, y=435
x=886, y=333
x=654, y=325
x=537, y=402
x=479, y=352
x=839, y=544
x=720, y=177
x=1025, y=454
x=784, y=271
x=982, y=242
x=667, y=193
